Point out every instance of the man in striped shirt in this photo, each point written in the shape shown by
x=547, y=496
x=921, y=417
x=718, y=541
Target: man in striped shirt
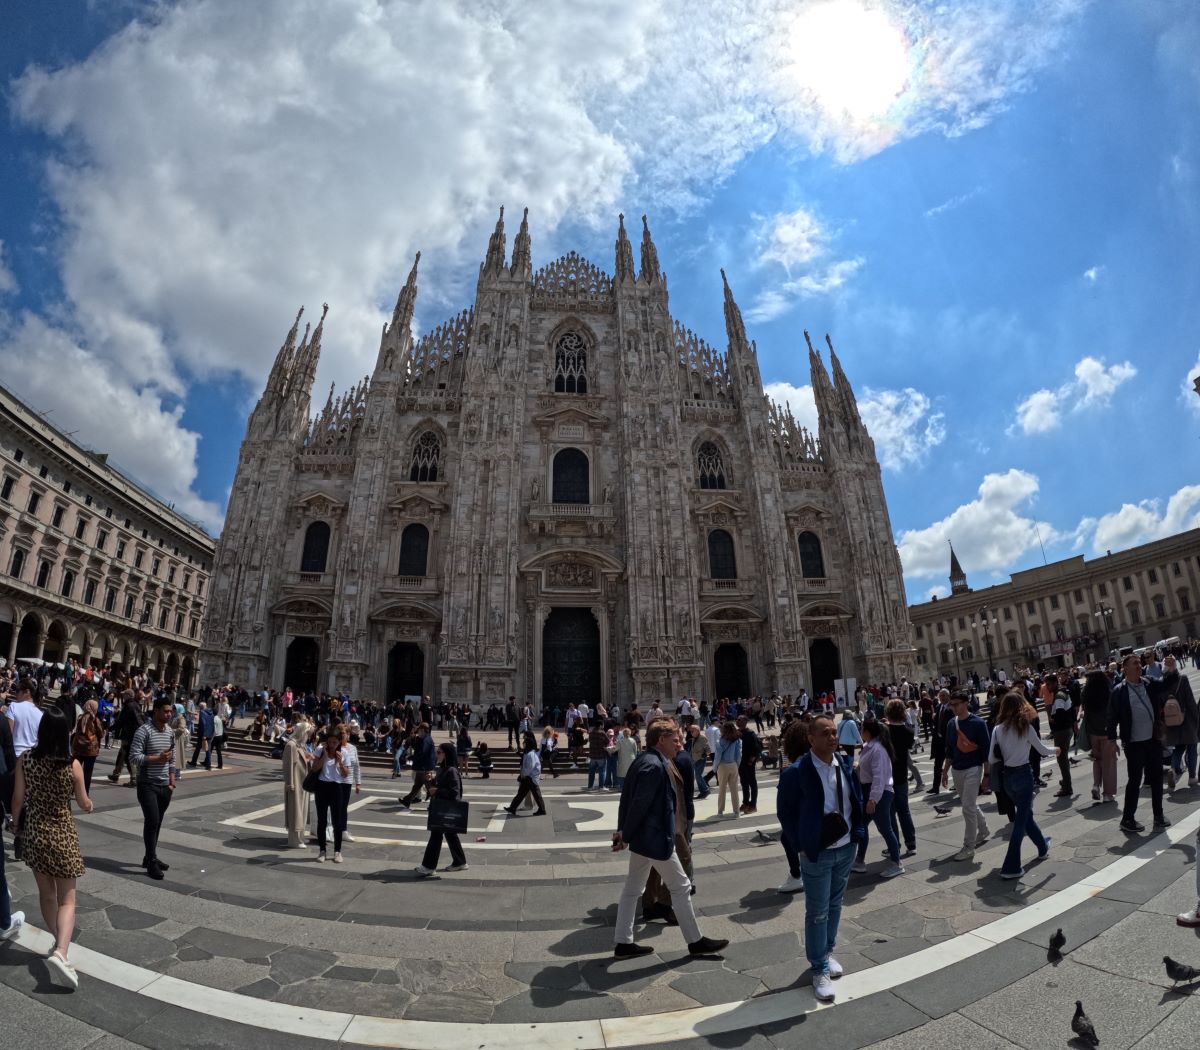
x=152, y=754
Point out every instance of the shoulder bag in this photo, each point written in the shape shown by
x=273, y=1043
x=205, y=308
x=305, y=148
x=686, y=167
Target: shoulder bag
x=1004, y=803
x=311, y=779
x=833, y=825
x=448, y=815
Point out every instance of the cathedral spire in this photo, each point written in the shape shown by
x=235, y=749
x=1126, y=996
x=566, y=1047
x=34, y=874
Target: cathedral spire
x=734, y=328
x=494, y=262
x=284, y=360
x=522, y=260
x=650, y=271
x=844, y=391
x=624, y=252
x=306, y=363
x=406, y=302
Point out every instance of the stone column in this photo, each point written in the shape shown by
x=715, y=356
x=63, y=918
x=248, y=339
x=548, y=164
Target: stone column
x=41, y=645
x=12, y=643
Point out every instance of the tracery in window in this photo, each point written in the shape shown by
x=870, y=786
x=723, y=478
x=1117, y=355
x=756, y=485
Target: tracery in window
x=426, y=453
x=709, y=467
x=570, y=365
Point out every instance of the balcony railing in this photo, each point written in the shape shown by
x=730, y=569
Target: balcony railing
x=571, y=510
x=310, y=579
x=720, y=585
x=815, y=583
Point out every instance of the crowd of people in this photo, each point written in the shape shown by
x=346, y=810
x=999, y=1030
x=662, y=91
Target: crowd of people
x=839, y=777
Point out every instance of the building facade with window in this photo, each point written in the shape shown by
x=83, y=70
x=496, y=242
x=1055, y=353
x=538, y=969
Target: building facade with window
x=561, y=494
x=1068, y=612
x=91, y=565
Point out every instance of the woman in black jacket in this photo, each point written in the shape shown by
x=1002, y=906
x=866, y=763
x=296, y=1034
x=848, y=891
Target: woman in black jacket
x=448, y=786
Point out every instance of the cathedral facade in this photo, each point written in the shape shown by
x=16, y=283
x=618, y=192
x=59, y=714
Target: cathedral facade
x=561, y=493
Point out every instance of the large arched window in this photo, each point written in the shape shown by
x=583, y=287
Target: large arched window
x=43, y=574
x=17, y=565
x=316, y=547
x=414, y=550
x=709, y=467
x=570, y=365
x=68, y=583
x=426, y=453
x=571, y=483
x=722, y=562
x=812, y=561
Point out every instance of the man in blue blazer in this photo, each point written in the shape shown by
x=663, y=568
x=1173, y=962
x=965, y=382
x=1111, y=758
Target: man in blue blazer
x=651, y=800
x=820, y=809
x=1135, y=712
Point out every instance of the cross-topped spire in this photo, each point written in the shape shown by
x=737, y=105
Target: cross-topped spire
x=650, y=271
x=624, y=266
x=406, y=301
x=494, y=262
x=522, y=264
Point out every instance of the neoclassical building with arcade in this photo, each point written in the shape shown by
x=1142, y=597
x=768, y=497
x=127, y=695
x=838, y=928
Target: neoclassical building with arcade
x=560, y=493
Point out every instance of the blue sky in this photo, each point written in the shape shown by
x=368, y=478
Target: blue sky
x=991, y=205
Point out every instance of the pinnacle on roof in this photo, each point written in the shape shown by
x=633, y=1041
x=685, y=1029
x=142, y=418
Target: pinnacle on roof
x=494, y=262
x=522, y=264
x=650, y=270
x=624, y=250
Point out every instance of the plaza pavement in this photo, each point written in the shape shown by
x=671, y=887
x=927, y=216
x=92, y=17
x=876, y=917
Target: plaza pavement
x=248, y=944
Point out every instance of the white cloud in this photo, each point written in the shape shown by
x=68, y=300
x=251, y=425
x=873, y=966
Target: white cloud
x=1093, y=273
x=8, y=283
x=1094, y=385
x=990, y=533
x=295, y=151
x=952, y=203
x=1188, y=390
x=902, y=424
x=1142, y=522
x=940, y=591
x=799, y=399
x=144, y=437
x=802, y=246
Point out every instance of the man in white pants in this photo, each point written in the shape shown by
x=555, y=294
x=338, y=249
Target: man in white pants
x=652, y=804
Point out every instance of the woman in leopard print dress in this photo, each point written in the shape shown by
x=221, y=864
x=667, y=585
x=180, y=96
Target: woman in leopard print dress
x=47, y=777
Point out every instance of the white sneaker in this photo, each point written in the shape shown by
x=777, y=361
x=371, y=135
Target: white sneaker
x=62, y=972
x=793, y=884
x=337, y=857
x=459, y=867
x=823, y=988
x=964, y=854
x=835, y=968
x=858, y=867
x=321, y=858
x=423, y=871
x=892, y=871
x=347, y=836
x=14, y=926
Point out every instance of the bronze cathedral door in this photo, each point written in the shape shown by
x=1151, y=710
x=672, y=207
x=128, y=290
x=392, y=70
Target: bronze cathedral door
x=570, y=657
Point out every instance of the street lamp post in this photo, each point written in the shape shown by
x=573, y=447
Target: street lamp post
x=1104, y=612
x=986, y=621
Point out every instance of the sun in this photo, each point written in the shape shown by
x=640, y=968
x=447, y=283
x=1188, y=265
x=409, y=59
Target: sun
x=850, y=57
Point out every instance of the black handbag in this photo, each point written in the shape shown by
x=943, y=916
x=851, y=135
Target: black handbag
x=833, y=825
x=1004, y=802
x=448, y=815
x=311, y=779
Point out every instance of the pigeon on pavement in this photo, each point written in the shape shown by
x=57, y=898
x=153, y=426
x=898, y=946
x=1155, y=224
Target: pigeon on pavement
x=1082, y=1026
x=1178, y=971
x=1057, y=941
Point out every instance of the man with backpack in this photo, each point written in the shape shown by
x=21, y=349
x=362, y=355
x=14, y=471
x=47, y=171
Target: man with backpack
x=1181, y=721
x=1062, y=730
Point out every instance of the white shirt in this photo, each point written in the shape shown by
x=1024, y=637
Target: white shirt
x=829, y=774
x=713, y=735
x=25, y=716
x=685, y=707
x=1014, y=747
x=584, y=713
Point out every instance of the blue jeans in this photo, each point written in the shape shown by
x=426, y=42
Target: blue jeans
x=902, y=820
x=595, y=769
x=701, y=786
x=610, y=771
x=1177, y=759
x=824, y=886
x=1018, y=785
x=398, y=761
x=883, y=821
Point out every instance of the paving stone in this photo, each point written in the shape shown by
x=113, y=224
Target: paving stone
x=349, y=996
x=952, y=1032
x=219, y=973
x=717, y=986
x=264, y=989
x=1036, y=1010
x=123, y=918
x=32, y=1025
x=941, y=993
x=868, y=1020
x=453, y=1007
x=1177, y=1029
x=1134, y=947
x=128, y=944
x=298, y=964
x=351, y=973
x=763, y=951
x=190, y=953
x=890, y=949
x=1081, y=923
x=540, y=1005
x=892, y=922
x=623, y=975
x=229, y=945
x=538, y=975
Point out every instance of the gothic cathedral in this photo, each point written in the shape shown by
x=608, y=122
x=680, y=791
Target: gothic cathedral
x=561, y=494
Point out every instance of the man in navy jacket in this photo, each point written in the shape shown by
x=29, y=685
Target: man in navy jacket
x=812, y=791
x=1135, y=716
x=424, y=764
x=204, y=737
x=652, y=795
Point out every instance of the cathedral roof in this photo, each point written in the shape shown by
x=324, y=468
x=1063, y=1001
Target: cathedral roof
x=571, y=276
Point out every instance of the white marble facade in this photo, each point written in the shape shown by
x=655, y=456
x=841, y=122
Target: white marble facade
x=560, y=493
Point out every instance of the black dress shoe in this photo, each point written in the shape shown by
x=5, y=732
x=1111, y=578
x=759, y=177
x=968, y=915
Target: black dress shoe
x=539, y=812
x=155, y=871
x=162, y=864
x=629, y=951
x=707, y=946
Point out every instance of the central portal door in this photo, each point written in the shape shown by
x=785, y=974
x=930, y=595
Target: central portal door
x=731, y=672
x=570, y=657
x=406, y=671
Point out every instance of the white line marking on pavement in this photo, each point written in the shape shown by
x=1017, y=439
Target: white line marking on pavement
x=672, y=1025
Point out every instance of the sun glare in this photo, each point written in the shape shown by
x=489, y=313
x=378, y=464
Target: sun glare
x=850, y=56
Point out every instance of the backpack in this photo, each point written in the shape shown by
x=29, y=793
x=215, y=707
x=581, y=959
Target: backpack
x=1172, y=712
